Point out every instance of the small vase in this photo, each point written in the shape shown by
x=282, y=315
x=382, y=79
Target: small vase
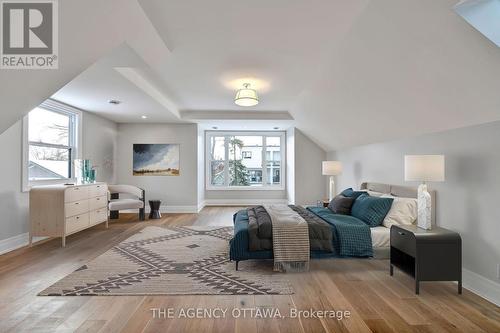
x=92, y=175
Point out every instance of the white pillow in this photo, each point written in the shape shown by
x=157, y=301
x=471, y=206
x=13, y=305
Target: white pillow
x=403, y=211
x=375, y=194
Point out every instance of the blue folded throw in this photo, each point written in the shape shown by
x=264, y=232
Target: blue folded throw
x=351, y=236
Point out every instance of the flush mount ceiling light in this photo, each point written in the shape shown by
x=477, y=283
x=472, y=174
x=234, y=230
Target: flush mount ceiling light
x=246, y=96
x=144, y=117
x=114, y=101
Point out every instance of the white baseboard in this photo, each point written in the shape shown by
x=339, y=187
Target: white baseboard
x=211, y=202
x=16, y=242
x=166, y=209
x=243, y=202
x=478, y=284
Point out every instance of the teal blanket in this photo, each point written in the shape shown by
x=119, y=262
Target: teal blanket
x=351, y=236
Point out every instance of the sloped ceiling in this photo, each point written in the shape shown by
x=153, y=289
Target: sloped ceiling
x=348, y=72
x=88, y=31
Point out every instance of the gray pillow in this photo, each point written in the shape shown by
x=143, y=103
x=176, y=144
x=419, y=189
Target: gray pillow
x=341, y=204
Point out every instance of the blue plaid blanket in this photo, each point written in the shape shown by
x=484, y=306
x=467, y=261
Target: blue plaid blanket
x=351, y=236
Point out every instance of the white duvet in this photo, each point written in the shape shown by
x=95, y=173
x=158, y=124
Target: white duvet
x=381, y=236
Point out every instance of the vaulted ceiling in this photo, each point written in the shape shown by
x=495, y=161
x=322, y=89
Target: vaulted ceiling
x=347, y=72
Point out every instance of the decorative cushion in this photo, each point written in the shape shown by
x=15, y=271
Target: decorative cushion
x=403, y=211
x=341, y=205
x=371, y=210
x=350, y=193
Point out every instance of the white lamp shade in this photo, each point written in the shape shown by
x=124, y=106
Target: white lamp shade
x=331, y=168
x=424, y=168
x=246, y=97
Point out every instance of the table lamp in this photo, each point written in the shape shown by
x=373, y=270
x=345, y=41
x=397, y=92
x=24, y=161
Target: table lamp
x=424, y=168
x=332, y=169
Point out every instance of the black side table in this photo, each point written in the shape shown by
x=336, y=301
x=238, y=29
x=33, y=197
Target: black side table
x=427, y=255
x=154, y=206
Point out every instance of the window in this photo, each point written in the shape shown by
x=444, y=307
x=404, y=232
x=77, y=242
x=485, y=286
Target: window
x=245, y=160
x=50, y=144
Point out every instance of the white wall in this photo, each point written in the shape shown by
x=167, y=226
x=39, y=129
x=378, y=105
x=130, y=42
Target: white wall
x=99, y=145
x=309, y=182
x=467, y=202
x=177, y=193
x=99, y=137
x=13, y=202
x=201, y=167
x=245, y=197
x=290, y=165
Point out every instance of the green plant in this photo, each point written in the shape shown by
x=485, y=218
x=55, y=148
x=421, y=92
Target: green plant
x=238, y=173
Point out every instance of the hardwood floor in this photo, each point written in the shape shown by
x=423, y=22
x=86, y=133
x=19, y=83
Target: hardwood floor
x=377, y=302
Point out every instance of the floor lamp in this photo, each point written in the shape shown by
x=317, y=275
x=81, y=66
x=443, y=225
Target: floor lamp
x=332, y=169
x=424, y=168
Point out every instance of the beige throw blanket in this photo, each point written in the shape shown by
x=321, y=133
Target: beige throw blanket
x=290, y=239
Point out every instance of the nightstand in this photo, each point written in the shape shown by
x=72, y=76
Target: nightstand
x=427, y=255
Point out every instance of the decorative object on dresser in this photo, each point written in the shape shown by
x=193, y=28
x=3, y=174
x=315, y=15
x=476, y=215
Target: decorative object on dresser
x=136, y=200
x=85, y=173
x=424, y=168
x=427, y=255
x=332, y=169
x=154, y=209
x=61, y=210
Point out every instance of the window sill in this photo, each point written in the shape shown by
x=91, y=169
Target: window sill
x=245, y=188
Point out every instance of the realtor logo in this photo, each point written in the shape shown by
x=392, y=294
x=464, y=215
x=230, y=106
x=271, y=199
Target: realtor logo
x=29, y=34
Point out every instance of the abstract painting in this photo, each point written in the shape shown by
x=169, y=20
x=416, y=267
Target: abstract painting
x=156, y=160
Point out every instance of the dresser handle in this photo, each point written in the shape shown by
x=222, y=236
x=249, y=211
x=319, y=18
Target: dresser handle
x=77, y=203
x=401, y=233
x=78, y=217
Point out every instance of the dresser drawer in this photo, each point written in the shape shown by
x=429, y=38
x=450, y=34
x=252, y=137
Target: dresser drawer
x=98, y=202
x=98, y=216
x=98, y=190
x=403, y=240
x=76, y=193
x=76, y=208
x=76, y=223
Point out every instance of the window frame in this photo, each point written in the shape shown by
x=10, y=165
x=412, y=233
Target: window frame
x=74, y=141
x=263, y=187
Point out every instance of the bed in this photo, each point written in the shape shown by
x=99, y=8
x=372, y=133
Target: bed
x=380, y=235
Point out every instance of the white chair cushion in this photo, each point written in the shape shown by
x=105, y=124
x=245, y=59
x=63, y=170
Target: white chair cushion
x=129, y=189
x=120, y=204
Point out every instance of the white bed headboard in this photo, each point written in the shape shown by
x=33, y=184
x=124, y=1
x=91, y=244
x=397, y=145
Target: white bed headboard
x=400, y=191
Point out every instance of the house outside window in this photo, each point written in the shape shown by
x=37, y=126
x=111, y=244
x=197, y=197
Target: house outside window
x=245, y=160
x=51, y=137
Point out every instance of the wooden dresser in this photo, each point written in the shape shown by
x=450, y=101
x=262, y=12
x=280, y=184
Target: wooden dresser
x=61, y=210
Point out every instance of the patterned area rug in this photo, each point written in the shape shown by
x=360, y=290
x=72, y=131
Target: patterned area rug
x=172, y=261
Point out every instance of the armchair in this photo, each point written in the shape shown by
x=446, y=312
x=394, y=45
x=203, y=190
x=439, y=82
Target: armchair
x=135, y=200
